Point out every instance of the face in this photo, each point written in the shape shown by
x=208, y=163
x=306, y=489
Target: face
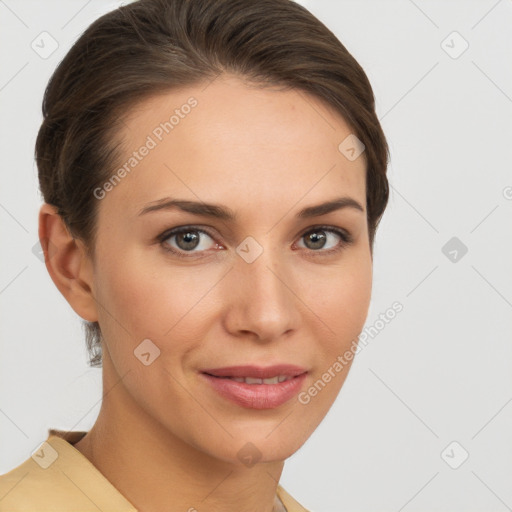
x=267, y=287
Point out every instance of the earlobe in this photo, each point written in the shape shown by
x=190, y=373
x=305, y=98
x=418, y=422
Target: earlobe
x=67, y=263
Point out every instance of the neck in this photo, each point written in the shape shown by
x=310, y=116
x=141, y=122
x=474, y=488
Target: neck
x=157, y=471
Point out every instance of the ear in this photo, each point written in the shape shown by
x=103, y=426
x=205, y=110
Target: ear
x=67, y=263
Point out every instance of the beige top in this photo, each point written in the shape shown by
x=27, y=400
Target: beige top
x=58, y=478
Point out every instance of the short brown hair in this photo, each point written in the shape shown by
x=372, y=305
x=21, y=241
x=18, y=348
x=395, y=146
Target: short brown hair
x=152, y=46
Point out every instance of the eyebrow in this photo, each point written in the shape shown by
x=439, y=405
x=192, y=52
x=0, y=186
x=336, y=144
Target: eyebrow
x=221, y=212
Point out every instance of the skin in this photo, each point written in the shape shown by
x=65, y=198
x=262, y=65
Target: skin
x=163, y=437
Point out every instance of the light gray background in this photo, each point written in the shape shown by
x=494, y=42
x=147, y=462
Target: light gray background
x=439, y=372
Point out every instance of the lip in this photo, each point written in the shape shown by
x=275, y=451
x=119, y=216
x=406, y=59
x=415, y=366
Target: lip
x=256, y=396
x=257, y=372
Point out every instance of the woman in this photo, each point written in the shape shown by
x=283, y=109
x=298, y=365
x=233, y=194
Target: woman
x=213, y=175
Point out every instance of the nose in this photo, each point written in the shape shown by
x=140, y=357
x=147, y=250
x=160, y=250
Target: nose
x=263, y=298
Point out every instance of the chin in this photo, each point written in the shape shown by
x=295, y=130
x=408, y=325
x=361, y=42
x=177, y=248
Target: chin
x=247, y=450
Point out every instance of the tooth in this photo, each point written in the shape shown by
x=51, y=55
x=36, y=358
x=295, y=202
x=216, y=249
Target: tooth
x=251, y=380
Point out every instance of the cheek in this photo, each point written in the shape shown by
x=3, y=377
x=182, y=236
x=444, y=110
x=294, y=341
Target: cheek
x=342, y=307
x=134, y=292
x=349, y=306
x=144, y=297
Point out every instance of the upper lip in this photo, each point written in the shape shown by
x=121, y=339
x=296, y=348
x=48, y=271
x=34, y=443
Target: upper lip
x=256, y=372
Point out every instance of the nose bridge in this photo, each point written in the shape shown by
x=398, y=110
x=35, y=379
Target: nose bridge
x=262, y=302
x=259, y=268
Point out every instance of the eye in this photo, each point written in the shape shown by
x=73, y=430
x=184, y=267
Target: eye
x=317, y=238
x=187, y=239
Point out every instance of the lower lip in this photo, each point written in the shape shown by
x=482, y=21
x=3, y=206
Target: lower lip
x=256, y=396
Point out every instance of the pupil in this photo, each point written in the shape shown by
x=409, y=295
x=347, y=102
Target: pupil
x=189, y=238
x=318, y=241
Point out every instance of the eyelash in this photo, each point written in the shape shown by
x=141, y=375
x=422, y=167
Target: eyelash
x=345, y=236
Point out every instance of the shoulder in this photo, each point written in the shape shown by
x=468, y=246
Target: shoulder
x=57, y=477
x=31, y=483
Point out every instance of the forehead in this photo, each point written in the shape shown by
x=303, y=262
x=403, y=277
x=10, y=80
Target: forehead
x=229, y=141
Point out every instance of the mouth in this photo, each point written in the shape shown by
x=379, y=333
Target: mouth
x=279, y=371
x=256, y=387
x=254, y=380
